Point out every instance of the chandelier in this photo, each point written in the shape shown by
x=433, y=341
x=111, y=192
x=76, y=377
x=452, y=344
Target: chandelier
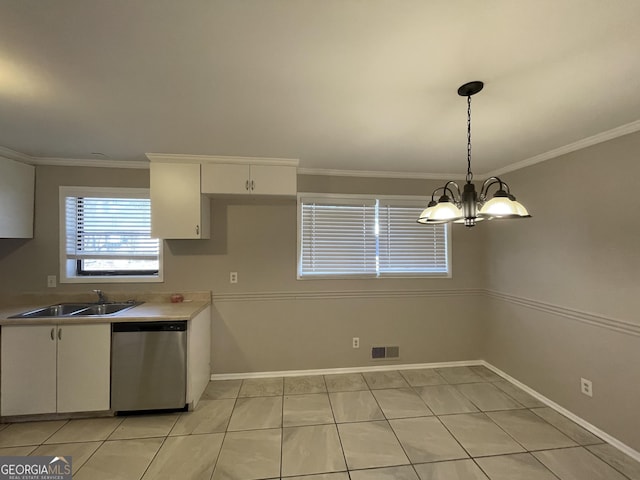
x=467, y=206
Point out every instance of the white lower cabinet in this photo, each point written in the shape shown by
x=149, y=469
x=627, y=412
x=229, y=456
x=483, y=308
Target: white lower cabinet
x=198, y=356
x=55, y=368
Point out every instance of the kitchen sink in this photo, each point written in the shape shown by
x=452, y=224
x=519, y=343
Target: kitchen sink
x=106, y=308
x=78, y=309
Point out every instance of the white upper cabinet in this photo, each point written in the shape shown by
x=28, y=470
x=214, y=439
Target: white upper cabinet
x=181, y=185
x=17, y=183
x=178, y=209
x=248, y=179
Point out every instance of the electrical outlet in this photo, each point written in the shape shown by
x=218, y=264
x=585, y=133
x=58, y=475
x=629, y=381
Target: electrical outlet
x=233, y=277
x=51, y=281
x=356, y=342
x=586, y=387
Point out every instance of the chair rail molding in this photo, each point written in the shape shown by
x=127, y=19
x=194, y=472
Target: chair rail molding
x=343, y=294
x=614, y=324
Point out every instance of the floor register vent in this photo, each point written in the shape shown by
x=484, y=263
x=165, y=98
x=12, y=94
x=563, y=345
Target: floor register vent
x=385, y=352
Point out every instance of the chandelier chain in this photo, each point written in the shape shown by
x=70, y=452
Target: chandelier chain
x=469, y=174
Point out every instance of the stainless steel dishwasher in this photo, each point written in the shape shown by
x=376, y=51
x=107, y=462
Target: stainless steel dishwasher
x=148, y=366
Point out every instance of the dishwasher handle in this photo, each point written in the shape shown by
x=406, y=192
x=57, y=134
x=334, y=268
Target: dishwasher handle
x=169, y=326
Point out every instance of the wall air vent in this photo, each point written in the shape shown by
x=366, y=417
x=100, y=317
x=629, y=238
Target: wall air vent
x=377, y=352
x=385, y=352
x=392, y=352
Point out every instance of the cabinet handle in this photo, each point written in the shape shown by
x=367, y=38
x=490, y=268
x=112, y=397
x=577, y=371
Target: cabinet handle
x=253, y=184
x=246, y=185
x=197, y=229
x=52, y=336
x=59, y=334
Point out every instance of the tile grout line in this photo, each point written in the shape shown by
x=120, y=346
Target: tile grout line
x=155, y=455
x=226, y=430
x=614, y=442
x=335, y=425
x=406, y=454
x=90, y=457
x=487, y=381
x=605, y=461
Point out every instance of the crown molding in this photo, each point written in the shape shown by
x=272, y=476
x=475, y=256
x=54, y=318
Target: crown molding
x=557, y=152
x=572, y=147
x=70, y=162
x=88, y=162
x=379, y=174
x=16, y=156
x=178, y=158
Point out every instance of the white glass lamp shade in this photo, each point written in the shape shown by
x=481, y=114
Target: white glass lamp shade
x=500, y=207
x=521, y=210
x=445, y=212
x=426, y=213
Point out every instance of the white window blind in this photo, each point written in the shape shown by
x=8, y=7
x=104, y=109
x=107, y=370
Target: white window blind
x=338, y=238
x=117, y=228
x=368, y=237
x=108, y=232
x=406, y=246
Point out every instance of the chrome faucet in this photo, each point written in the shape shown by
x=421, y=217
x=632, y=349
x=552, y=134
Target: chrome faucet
x=101, y=297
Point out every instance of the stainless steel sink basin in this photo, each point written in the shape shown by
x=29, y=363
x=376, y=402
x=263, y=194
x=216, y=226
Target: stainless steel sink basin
x=59, y=310
x=106, y=308
x=78, y=309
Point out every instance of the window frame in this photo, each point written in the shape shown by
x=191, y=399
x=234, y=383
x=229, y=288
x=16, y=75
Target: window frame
x=69, y=267
x=397, y=200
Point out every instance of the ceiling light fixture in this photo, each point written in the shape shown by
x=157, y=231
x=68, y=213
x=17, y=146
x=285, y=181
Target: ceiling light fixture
x=467, y=206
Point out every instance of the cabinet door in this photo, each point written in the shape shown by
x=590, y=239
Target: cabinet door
x=16, y=199
x=273, y=180
x=178, y=210
x=84, y=361
x=198, y=356
x=28, y=359
x=225, y=178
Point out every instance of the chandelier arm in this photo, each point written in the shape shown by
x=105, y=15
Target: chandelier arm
x=488, y=183
x=446, y=188
x=433, y=194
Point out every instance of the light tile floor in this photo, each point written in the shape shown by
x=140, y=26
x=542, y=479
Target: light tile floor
x=462, y=423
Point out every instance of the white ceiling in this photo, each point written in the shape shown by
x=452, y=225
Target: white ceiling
x=340, y=84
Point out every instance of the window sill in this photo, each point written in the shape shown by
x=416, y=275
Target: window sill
x=113, y=279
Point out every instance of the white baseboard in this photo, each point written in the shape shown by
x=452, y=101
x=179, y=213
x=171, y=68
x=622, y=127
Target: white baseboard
x=333, y=371
x=579, y=420
x=412, y=366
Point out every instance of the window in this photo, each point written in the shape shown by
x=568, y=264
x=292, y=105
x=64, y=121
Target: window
x=105, y=236
x=370, y=237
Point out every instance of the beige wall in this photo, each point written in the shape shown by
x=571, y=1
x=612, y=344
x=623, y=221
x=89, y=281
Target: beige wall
x=571, y=273
x=569, y=276
x=278, y=322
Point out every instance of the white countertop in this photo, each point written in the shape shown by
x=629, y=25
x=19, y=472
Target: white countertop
x=146, y=312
